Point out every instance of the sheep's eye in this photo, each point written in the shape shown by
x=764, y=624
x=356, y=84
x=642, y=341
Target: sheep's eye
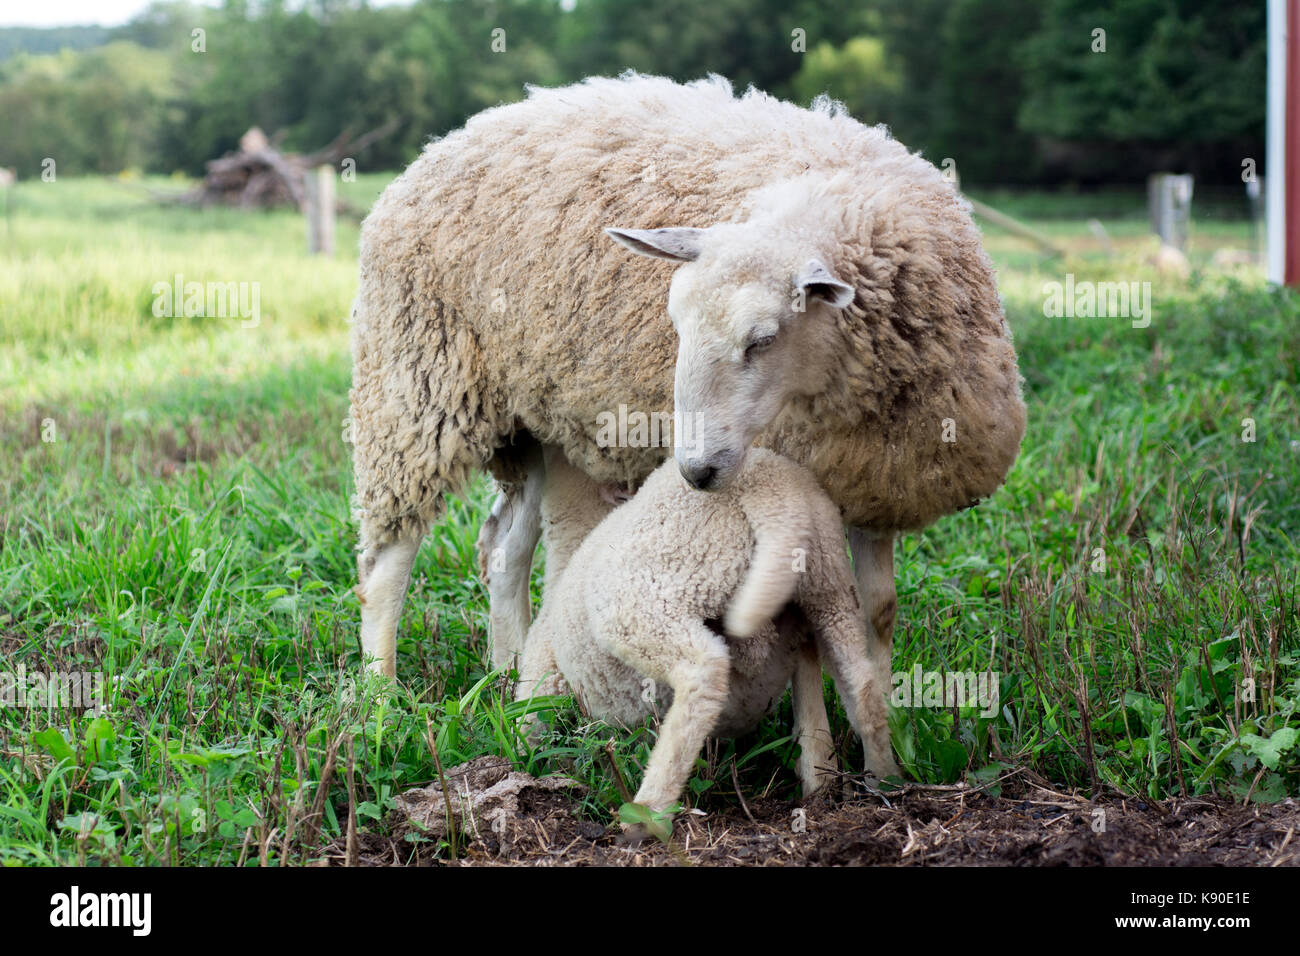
x=760, y=343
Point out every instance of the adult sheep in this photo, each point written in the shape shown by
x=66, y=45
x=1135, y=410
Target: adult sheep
x=828, y=293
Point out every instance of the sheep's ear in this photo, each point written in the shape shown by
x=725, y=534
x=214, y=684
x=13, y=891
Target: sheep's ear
x=677, y=245
x=818, y=283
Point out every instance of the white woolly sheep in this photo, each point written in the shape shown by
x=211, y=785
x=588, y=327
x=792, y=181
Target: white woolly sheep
x=838, y=308
x=690, y=589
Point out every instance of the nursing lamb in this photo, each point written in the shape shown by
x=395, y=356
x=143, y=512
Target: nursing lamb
x=720, y=599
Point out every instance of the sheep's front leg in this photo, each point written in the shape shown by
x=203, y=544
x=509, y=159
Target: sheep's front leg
x=696, y=664
x=811, y=726
x=506, y=545
x=384, y=573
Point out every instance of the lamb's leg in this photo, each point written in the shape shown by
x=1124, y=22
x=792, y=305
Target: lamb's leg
x=838, y=632
x=539, y=673
x=695, y=662
x=873, y=566
x=384, y=573
x=506, y=545
x=811, y=726
x=539, y=676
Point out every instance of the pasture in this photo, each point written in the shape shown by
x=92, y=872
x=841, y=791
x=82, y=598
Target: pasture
x=174, y=516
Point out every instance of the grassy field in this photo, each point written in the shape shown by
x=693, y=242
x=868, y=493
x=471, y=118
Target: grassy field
x=174, y=515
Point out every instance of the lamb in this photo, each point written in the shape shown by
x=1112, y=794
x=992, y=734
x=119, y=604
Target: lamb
x=690, y=589
x=828, y=295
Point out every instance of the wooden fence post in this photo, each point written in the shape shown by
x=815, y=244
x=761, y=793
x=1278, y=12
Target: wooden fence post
x=320, y=210
x=1170, y=200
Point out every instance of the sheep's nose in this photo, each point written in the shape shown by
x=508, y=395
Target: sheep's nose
x=700, y=476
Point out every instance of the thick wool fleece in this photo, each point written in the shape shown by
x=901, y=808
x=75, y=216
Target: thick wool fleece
x=628, y=602
x=491, y=300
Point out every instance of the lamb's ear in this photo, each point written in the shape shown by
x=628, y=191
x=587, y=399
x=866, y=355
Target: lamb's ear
x=677, y=245
x=818, y=283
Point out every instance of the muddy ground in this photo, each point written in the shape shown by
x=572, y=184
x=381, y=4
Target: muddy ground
x=1029, y=824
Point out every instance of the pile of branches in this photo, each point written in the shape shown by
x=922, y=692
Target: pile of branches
x=259, y=176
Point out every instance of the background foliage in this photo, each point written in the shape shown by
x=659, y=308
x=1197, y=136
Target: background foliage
x=1180, y=84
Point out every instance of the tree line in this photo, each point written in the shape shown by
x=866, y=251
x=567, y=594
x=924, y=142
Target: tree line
x=1012, y=91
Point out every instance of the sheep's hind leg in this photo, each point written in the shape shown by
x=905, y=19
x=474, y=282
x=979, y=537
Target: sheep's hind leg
x=506, y=545
x=838, y=633
x=873, y=566
x=384, y=573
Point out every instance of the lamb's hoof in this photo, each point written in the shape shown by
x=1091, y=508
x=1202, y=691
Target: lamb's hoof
x=876, y=782
x=633, y=835
x=382, y=668
x=877, y=774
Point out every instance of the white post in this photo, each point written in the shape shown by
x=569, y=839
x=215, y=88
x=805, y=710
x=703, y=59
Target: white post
x=1275, y=162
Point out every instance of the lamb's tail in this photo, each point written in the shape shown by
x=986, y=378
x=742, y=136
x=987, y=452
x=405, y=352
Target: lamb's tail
x=782, y=525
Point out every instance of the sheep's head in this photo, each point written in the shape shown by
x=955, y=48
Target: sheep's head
x=752, y=312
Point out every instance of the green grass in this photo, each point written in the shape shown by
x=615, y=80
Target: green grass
x=186, y=533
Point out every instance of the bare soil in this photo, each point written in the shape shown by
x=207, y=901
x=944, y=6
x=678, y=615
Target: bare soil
x=919, y=826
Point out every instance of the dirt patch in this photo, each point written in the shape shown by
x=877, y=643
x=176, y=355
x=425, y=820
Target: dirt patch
x=480, y=796
x=919, y=826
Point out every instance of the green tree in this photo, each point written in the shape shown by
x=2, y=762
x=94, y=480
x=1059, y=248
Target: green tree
x=980, y=89
x=961, y=86
x=95, y=111
x=747, y=41
x=858, y=74
x=1187, y=75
